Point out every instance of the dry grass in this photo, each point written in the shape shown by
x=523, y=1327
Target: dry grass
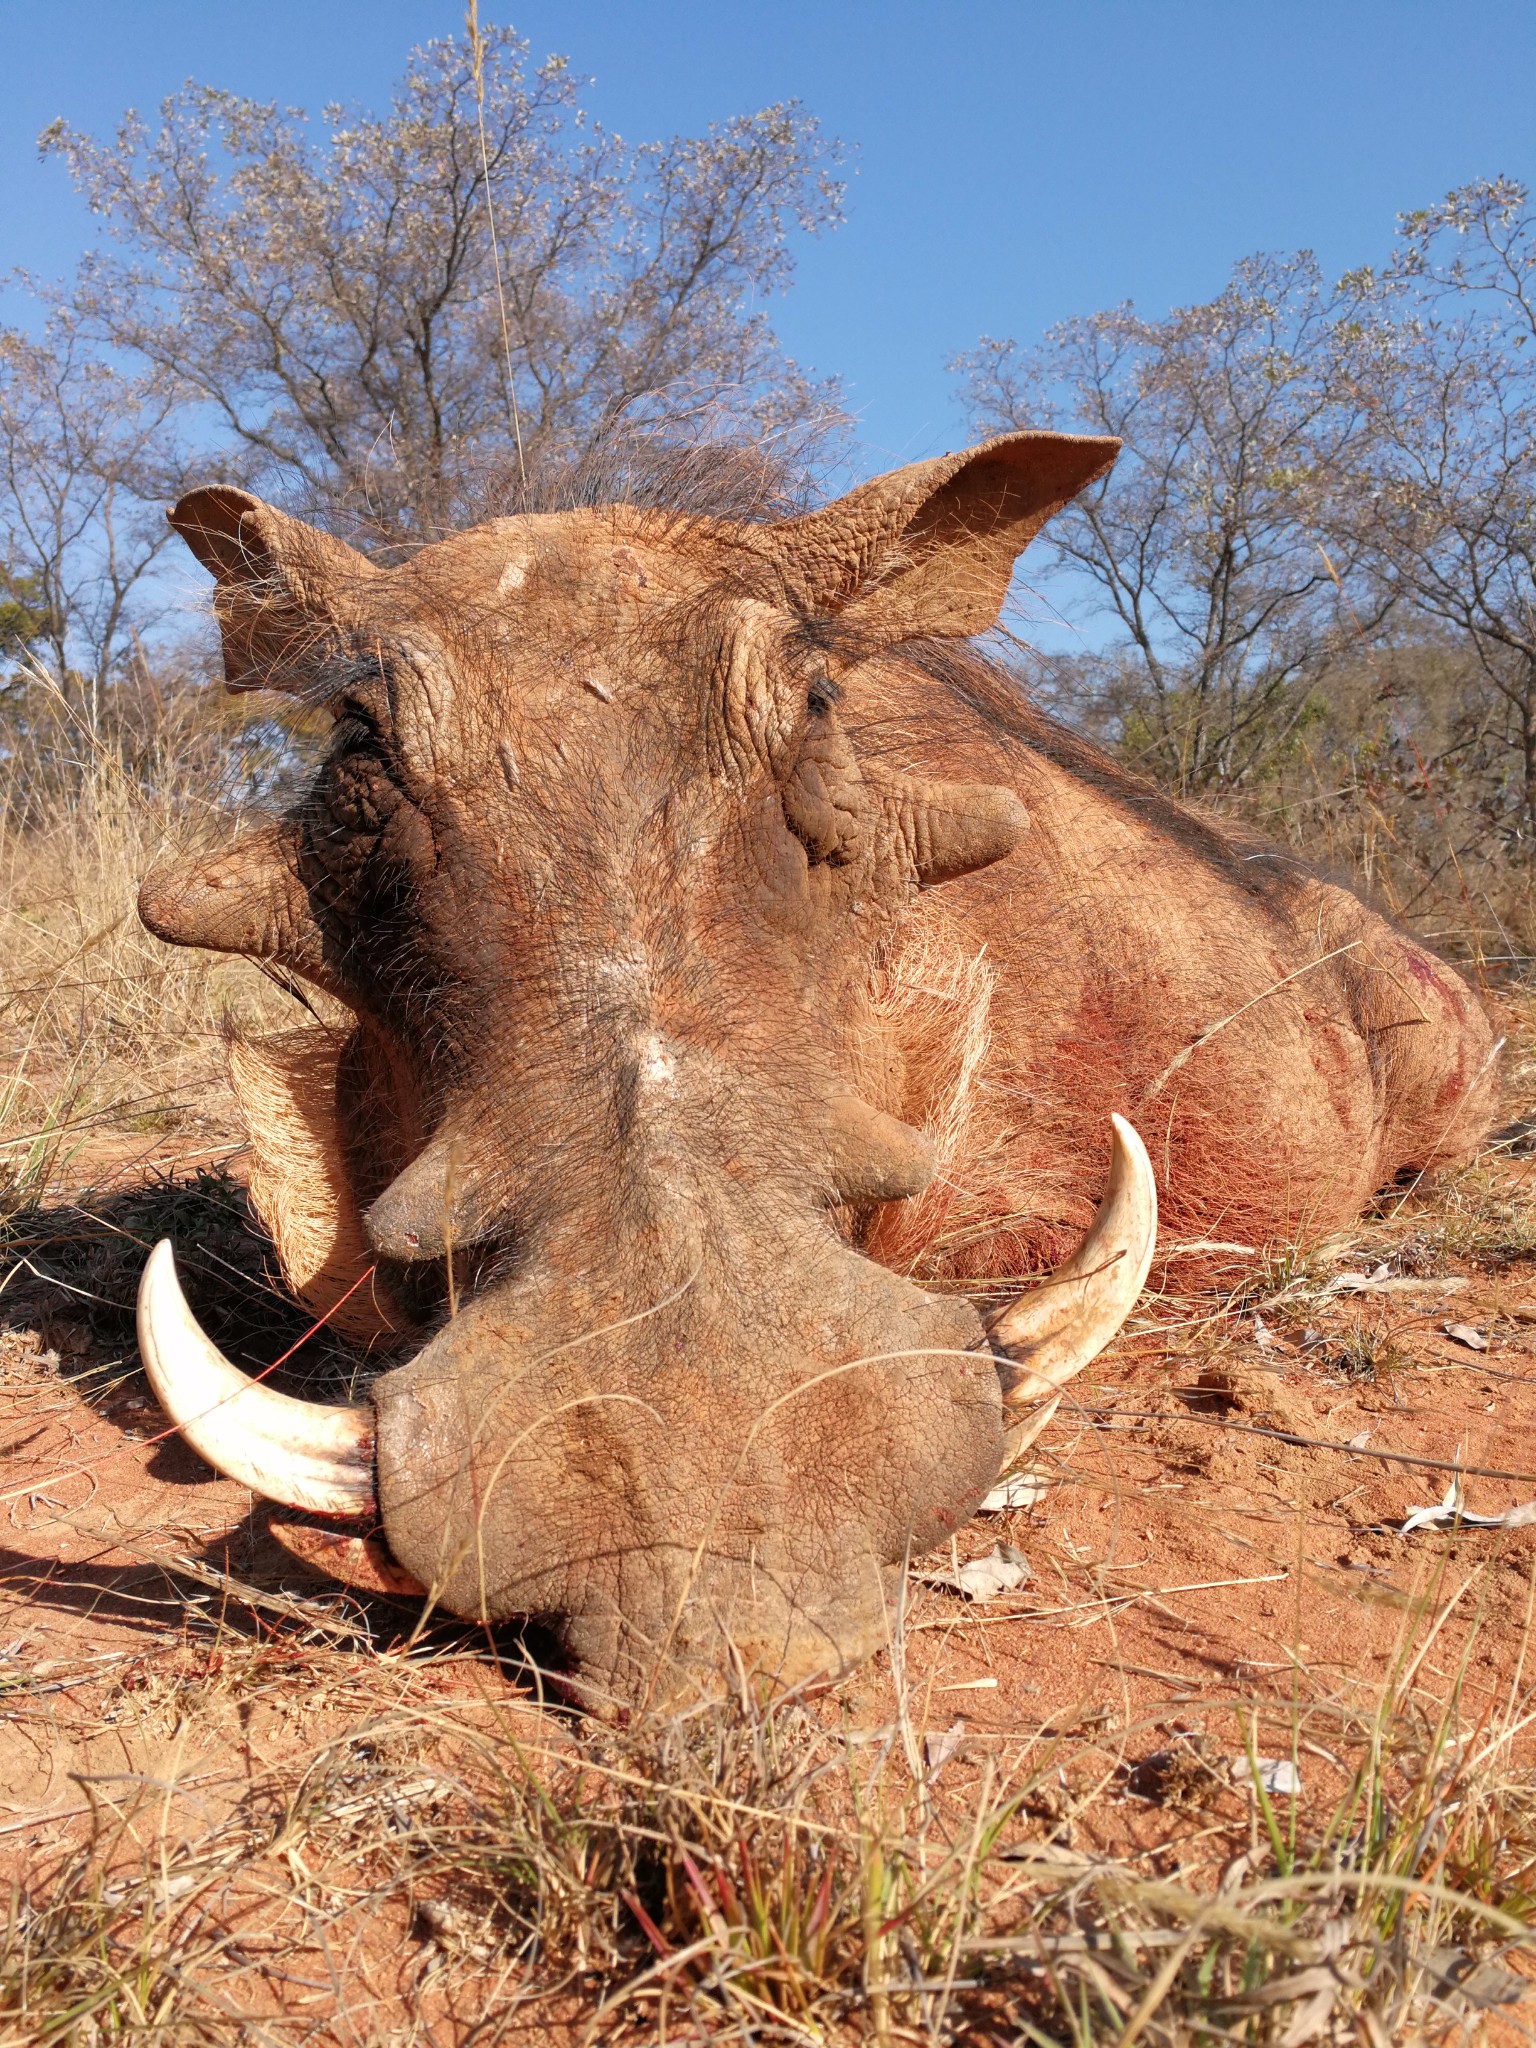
x=754, y=1876
x=1397, y=783
x=1443, y=870
x=101, y=1026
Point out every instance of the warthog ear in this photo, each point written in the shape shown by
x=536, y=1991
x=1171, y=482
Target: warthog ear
x=287, y=594
x=928, y=551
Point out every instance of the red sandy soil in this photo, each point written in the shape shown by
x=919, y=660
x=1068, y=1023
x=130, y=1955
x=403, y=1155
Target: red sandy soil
x=1210, y=1555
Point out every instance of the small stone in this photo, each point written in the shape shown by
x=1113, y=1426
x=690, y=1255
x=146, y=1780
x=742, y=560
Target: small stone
x=1277, y=1775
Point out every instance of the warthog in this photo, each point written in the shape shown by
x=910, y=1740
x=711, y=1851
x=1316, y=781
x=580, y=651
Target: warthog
x=743, y=973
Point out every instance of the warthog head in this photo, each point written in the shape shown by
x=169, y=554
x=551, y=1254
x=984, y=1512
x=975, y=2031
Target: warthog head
x=600, y=874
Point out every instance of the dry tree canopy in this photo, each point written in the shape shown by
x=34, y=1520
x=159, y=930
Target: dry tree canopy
x=1314, y=566
x=88, y=456
x=374, y=312
x=1204, y=550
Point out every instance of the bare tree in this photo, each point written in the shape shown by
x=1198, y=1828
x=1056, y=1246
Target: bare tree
x=86, y=464
x=1204, y=543
x=335, y=308
x=1442, y=365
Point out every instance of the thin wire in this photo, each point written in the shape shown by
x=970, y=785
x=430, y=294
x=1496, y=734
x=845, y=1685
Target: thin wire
x=477, y=54
x=1317, y=1443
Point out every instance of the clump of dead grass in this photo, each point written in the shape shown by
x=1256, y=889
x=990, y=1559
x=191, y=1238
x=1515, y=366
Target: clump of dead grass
x=751, y=1870
x=750, y=1874
x=102, y=1026
x=1368, y=1351
x=1480, y=1222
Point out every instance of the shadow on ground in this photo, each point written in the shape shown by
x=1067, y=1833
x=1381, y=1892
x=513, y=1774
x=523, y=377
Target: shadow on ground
x=72, y=1271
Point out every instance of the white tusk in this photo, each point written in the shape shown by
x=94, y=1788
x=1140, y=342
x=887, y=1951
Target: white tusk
x=301, y=1453
x=1053, y=1331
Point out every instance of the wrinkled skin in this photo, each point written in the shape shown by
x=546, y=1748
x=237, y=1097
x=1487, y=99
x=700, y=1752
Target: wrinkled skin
x=615, y=845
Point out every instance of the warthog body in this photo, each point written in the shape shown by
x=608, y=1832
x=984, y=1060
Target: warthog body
x=717, y=1011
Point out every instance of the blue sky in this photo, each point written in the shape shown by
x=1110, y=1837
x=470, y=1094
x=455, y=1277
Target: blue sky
x=1016, y=163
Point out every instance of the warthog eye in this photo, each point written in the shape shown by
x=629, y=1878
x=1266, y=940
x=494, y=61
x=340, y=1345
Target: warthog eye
x=354, y=722
x=821, y=696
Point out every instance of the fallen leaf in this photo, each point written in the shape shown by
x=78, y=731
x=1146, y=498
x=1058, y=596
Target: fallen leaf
x=1359, y=1441
x=1481, y=1984
x=1452, y=1510
x=1383, y=1282
x=938, y=1749
x=1261, y=1334
x=1002, y=1570
x=1463, y=1333
x=1320, y=1988
x=1015, y=1490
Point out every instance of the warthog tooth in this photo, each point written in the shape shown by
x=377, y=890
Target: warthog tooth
x=1052, y=1332
x=361, y=1561
x=301, y=1453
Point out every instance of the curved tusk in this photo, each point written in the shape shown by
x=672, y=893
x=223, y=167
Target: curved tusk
x=1053, y=1331
x=300, y=1453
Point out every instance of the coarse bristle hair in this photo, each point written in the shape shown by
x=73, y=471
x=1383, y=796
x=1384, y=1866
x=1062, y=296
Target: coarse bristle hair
x=299, y=1186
